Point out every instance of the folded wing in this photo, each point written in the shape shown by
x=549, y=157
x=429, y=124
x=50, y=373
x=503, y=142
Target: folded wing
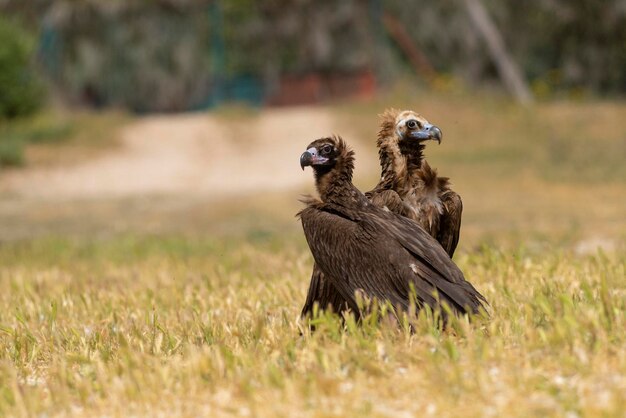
x=384, y=256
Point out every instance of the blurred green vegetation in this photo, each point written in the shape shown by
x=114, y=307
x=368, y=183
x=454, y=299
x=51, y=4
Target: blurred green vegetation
x=128, y=248
x=174, y=55
x=57, y=136
x=16, y=135
x=11, y=151
x=565, y=48
x=21, y=92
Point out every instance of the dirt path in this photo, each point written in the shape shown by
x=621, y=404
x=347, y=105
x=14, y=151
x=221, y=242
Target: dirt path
x=191, y=154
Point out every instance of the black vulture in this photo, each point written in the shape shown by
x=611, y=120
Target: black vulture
x=393, y=167
x=361, y=248
x=408, y=185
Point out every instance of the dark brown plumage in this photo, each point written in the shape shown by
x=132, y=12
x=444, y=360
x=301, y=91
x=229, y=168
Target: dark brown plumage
x=408, y=187
x=393, y=167
x=408, y=178
x=322, y=293
x=362, y=248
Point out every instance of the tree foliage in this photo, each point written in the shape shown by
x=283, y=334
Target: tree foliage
x=20, y=90
x=174, y=54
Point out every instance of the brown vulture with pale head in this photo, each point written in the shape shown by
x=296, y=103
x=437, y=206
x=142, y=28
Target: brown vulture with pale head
x=361, y=248
x=408, y=185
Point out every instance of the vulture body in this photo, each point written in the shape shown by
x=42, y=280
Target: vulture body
x=408, y=185
x=323, y=293
x=361, y=248
x=393, y=167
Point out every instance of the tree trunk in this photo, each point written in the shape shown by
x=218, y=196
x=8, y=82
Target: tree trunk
x=508, y=70
x=417, y=58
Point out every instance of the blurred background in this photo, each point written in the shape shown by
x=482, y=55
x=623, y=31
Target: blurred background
x=187, y=117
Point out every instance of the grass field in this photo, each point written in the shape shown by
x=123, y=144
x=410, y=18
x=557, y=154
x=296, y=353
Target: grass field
x=184, y=327
x=146, y=308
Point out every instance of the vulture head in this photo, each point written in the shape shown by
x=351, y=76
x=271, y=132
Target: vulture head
x=326, y=153
x=401, y=142
x=412, y=127
x=404, y=131
x=332, y=162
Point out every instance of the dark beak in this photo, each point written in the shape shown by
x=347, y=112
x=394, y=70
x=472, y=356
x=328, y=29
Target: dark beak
x=427, y=132
x=306, y=159
x=310, y=157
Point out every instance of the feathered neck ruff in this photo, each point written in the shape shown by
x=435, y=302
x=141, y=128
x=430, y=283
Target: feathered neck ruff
x=334, y=183
x=392, y=162
x=413, y=153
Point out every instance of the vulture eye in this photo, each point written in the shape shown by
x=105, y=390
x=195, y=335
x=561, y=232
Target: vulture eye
x=326, y=149
x=412, y=124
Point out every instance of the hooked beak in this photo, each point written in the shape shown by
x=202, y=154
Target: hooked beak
x=306, y=159
x=310, y=157
x=427, y=132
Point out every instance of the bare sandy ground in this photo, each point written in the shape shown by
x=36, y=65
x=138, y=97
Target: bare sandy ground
x=193, y=154
x=217, y=174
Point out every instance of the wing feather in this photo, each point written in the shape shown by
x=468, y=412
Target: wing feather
x=389, y=199
x=382, y=254
x=322, y=292
x=450, y=223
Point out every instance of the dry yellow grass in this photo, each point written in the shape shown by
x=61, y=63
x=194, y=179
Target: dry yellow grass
x=180, y=327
